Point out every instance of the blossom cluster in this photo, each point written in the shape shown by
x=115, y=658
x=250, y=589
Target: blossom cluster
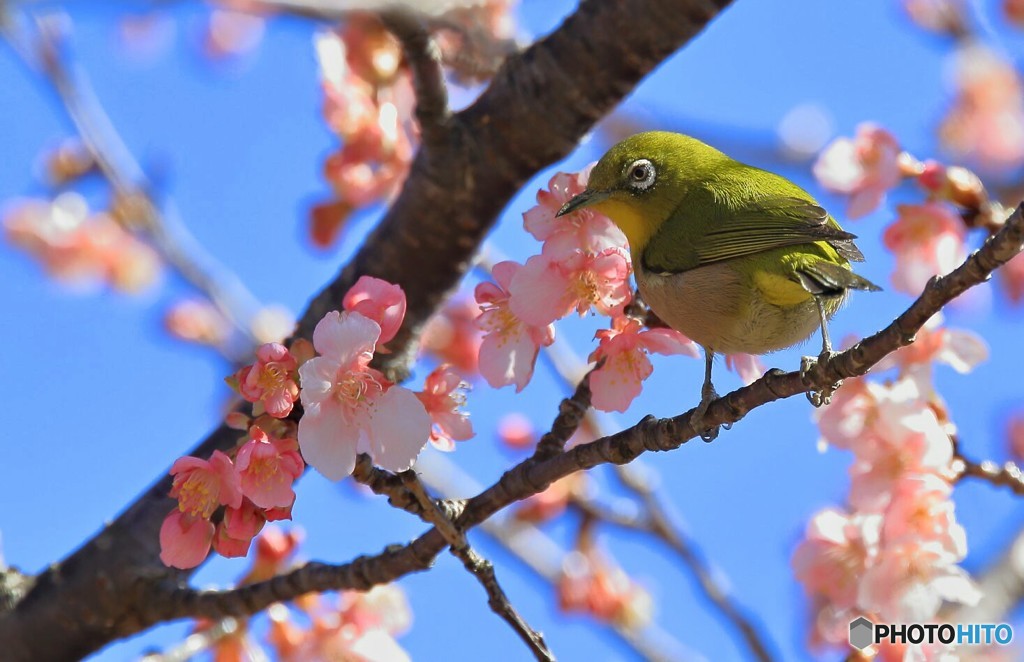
x=584, y=265
x=893, y=553
x=927, y=238
x=350, y=626
x=254, y=488
x=591, y=584
x=368, y=102
x=76, y=246
x=348, y=408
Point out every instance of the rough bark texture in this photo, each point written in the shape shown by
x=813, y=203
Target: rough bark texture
x=535, y=111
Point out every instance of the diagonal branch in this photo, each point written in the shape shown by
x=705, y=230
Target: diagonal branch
x=479, y=567
x=650, y=434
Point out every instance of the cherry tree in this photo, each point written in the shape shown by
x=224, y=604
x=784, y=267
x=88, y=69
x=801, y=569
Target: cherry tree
x=439, y=114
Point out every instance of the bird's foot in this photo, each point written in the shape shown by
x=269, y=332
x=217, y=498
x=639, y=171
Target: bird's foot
x=707, y=433
x=808, y=365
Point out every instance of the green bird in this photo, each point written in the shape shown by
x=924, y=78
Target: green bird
x=736, y=258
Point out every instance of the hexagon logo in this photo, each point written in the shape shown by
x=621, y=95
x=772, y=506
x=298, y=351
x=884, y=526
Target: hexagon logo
x=862, y=633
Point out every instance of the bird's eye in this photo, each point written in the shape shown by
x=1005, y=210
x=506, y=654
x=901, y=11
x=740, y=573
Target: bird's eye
x=641, y=174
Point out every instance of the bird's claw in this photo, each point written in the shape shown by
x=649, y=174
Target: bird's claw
x=808, y=364
x=707, y=434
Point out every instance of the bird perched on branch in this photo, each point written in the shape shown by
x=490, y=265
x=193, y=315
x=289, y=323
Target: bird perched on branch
x=736, y=258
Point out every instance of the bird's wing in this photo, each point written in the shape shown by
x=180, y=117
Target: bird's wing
x=819, y=276
x=773, y=222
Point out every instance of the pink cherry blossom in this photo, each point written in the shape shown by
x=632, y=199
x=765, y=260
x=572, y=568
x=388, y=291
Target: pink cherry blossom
x=510, y=345
x=267, y=468
x=271, y=380
x=591, y=584
x=844, y=423
x=864, y=168
x=198, y=321
x=747, y=366
x=236, y=531
x=380, y=301
x=516, y=431
x=548, y=288
x=200, y=486
x=442, y=396
x=185, y=540
x=1015, y=436
x=583, y=230
x=909, y=582
x=928, y=240
x=1011, y=279
x=834, y=554
x=909, y=440
x=624, y=348
x=453, y=336
x=985, y=123
x=351, y=408
x=921, y=509
x=961, y=350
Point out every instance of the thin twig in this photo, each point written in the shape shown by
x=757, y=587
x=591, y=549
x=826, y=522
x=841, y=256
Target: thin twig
x=479, y=567
x=540, y=554
x=1007, y=475
x=660, y=524
x=571, y=412
x=140, y=214
x=385, y=483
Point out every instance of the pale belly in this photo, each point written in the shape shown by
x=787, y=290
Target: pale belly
x=717, y=308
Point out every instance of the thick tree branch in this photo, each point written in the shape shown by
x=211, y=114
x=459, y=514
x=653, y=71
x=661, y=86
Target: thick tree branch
x=425, y=243
x=650, y=434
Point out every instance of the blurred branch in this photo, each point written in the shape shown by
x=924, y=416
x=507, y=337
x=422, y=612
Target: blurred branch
x=113, y=585
x=1001, y=585
x=1007, y=475
x=424, y=58
x=479, y=567
x=135, y=208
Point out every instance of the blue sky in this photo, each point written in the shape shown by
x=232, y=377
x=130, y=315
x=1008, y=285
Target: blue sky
x=102, y=401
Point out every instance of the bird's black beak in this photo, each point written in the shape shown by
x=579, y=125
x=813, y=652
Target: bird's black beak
x=582, y=200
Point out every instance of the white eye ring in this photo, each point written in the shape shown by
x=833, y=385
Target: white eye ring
x=640, y=174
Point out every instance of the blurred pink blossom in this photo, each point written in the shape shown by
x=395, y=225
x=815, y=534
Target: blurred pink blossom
x=864, y=167
x=928, y=240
